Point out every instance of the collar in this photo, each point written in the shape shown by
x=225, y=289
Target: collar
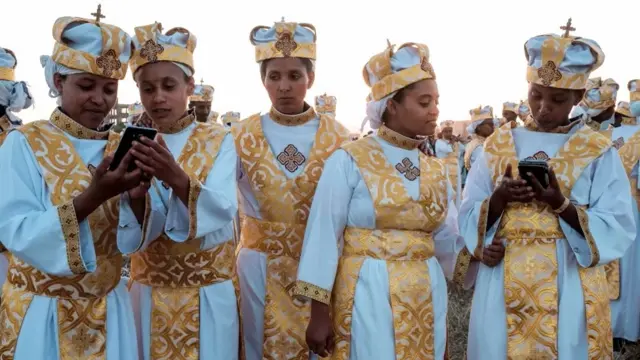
x=73, y=128
x=292, y=120
x=177, y=126
x=398, y=140
x=530, y=124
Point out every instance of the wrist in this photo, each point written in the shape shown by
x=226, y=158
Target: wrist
x=557, y=202
x=496, y=203
x=92, y=196
x=180, y=180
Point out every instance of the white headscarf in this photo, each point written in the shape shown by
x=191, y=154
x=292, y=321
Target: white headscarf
x=51, y=68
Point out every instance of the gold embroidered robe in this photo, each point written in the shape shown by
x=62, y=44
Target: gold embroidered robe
x=470, y=148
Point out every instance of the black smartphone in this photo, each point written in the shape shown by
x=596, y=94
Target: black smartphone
x=538, y=168
x=131, y=134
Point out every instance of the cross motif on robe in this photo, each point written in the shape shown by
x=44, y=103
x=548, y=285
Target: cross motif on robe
x=567, y=29
x=291, y=158
x=98, y=14
x=407, y=169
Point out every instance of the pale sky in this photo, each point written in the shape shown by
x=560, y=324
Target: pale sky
x=476, y=46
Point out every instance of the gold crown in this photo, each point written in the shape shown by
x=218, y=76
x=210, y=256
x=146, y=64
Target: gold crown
x=151, y=50
x=623, y=108
x=481, y=113
x=284, y=44
x=108, y=64
x=634, y=90
x=7, y=73
x=446, y=124
x=608, y=90
x=205, y=94
x=389, y=82
x=509, y=106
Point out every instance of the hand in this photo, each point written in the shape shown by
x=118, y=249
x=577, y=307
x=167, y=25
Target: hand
x=512, y=190
x=155, y=160
x=107, y=184
x=320, y=336
x=139, y=192
x=552, y=194
x=493, y=254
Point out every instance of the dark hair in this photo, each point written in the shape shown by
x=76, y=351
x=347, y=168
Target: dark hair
x=308, y=64
x=3, y=110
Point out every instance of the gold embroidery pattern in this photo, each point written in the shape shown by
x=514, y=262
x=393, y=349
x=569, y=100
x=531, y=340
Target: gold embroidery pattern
x=150, y=50
x=108, y=62
x=285, y=44
x=399, y=140
x=177, y=271
x=462, y=266
x=292, y=120
x=177, y=126
x=311, y=291
x=284, y=208
x=291, y=158
x=81, y=302
x=403, y=238
x=549, y=73
x=471, y=146
x=483, y=219
x=71, y=127
x=530, y=271
x=71, y=231
x=451, y=161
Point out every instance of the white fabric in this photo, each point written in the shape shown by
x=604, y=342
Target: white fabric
x=471, y=129
x=14, y=95
x=343, y=199
x=51, y=68
x=602, y=187
x=375, y=110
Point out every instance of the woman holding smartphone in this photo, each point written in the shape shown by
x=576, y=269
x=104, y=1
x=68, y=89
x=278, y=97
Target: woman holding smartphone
x=546, y=296
x=61, y=206
x=180, y=235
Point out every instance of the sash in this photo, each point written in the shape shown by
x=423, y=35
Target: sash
x=403, y=238
x=284, y=209
x=81, y=298
x=451, y=161
x=176, y=271
x=530, y=263
x=471, y=146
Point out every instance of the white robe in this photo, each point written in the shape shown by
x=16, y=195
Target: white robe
x=343, y=199
x=32, y=232
x=216, y=209
x=443, y=149
x=603, y=186
x=252, y=265
x=625, y=312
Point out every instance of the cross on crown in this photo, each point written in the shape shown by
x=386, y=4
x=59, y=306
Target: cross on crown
x=98, y=14
x=567, y=29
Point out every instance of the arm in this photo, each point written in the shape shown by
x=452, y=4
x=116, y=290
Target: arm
x=54, y=239
x=607, y=226
x=211, y=205
x=325, y=228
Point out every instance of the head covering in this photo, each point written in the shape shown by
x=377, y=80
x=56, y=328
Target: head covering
x=600, y=96
x=563, y=62
x=523, y=110
x=86, y=46
x=284, y=39
x=446, y=124
x=14, y=95
x=634, y=97
x=510, y=106
x=230, y=118
x=479, y=115
x=388, y=72
x=213, y=117
x=134, y=111
x=151, y=45
x=202, y=93
x=623, y=109
x=326, y=104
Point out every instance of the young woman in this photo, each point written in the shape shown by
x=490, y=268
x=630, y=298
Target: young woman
x=282, y=154
x=391, y=210
x=482, y=126
x=63, y=298
x=181, y=233
x=509, y=113
x=599, y=103
x=546, y=296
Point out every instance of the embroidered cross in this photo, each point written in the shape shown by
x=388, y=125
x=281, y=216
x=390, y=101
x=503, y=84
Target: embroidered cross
x=291, y=158
x=567, y=29
x=407, y=169
x=285, y=44
x=98, y=14
x=150, y=50
x=618, y=143
x=549, y=73
x=540, y=155
x=108, y=62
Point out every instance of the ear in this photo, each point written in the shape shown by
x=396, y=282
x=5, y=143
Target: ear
x=58, y=81
x=191, y=85
x=312, y=78
x=392, y=107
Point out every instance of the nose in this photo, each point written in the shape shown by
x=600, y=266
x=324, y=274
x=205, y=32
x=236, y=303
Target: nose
x=284, y=86
x=98, y=98
x=159, y=97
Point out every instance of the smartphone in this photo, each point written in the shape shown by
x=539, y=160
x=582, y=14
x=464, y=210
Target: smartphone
x=131, y=134
x=538, y=168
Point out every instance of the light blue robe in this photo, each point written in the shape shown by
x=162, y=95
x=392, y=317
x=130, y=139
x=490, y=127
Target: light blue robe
x=31, y=230
x=216, y=208
x=343, y=200
x=603, y=186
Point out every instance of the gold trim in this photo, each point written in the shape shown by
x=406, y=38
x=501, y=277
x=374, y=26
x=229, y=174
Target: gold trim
x=483, y=219
x=292, y=120
x=73, y=128
x=195, y=188
x=177, y=126
x=7, y=74
x=470, y=148
x=462, y=266
x=71, y=231
x=400, y=80
x=398, y=140
x=634, y=96
x=591, y=242
x=311, y=291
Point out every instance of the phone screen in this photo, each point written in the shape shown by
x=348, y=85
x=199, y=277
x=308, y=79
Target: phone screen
x=131, y=134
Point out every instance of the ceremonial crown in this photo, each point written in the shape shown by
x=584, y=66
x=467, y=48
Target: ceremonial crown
x=151, y=45
x=284, y=39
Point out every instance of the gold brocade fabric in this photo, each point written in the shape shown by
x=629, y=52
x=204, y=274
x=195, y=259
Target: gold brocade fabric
x=284, y=210
x=530, y=263
x=403, y=238
x=468, y=150
x=177, y=270
x=81, y=298
x=451, y=161
x=5, y=126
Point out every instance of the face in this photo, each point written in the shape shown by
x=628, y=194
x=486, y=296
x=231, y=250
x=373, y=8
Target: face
x=417, y=111
x=164, y=91
x=485, y=129
x=447, y=133
x=87, y=98
x=287, y=81
x=509, y=115
x=550, y=107
x=202, y=109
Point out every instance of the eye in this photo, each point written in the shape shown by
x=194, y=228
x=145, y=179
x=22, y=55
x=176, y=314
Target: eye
x=274, y=76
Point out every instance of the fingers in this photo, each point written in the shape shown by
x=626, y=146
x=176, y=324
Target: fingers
x=535, y=184
x=103, y=167
x=155, y=145
x=124, y=164
x=148, y=171
x=331, y=342
x=160, y=140
x=508, y=172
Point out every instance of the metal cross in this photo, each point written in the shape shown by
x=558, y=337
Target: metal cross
x=201, y=81
x=389, y=46
x=567, y=29
x=98, y=14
